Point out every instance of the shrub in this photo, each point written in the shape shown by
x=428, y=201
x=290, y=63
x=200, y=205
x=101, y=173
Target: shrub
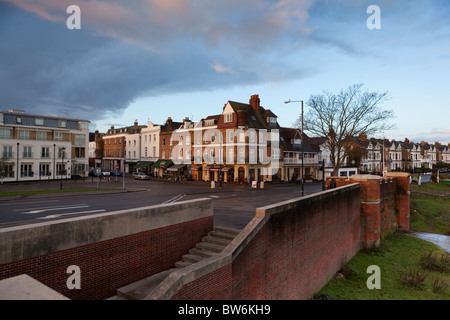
x=436, y=262
x=413, y=278
x=439, y=285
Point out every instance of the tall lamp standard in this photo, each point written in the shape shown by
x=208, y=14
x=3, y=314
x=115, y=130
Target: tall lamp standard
x=63, y=151
x=302, y=146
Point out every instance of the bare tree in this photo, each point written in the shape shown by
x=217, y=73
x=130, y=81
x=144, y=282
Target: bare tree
x=340, y=117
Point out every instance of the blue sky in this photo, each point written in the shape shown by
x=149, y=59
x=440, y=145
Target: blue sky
x=151, y=59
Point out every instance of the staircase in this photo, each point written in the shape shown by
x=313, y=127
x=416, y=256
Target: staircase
x=210, y=245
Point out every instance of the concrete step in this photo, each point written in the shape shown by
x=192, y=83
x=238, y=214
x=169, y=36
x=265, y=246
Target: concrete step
x=216, y=241
x=233, y=231
x=191, y=258
x=209, y=247
x=182, y=264
x=221, y=235
x=201, y=252
x=140, y=289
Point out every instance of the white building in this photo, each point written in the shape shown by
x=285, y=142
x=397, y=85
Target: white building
x=150, y=142
x=37, y=147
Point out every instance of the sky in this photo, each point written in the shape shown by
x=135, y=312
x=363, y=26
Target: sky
x=148, y=60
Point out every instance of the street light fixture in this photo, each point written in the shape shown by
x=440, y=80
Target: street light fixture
x=302, y=146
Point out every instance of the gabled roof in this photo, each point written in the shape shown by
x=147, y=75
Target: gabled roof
x=286, y=143
x=254, y=119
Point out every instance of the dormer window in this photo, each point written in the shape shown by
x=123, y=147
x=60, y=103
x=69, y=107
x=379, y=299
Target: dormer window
x=228, y=118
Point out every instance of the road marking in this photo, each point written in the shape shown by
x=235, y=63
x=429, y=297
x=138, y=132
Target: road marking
x=174, y=199
x=9, y=203
x=214, y=197
x=68, y=214
x=40, y=210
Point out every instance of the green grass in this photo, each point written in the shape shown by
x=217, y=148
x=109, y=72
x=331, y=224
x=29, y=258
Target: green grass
x=432, y=187
x=34, y=192
x=430, y=213
x=397, y=253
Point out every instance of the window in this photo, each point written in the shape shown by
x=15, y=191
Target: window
x=26, y=170
x=62, y=123
x=154, y=151
x=252, y=136
x=7, y=152
x=80, y=140
x=8, y=170
x=42, y=135
x=27, y=152
x=58, y=136
x=228, y=118
x=19, y=119
x=1, y=117
x=39, y=122
x=154, y=137
x=24, y=134
x=252, y=156
x=5, y=133
x=45, y=152
x=145, y=152
x=84, y=125
x=231, y=136
x=44, y=170
x=230, y=156
x=61, y=153
x=188, y=140
x=275, y=153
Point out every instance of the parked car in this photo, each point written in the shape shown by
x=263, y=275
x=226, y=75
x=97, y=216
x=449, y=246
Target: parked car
x=140, y=176
x=105, y=173
x=115, y=173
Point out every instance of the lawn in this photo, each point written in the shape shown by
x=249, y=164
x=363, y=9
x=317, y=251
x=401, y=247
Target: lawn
x=396, y=254
x=430, y=213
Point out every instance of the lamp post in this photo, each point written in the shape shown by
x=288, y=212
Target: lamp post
x=302, y=146
x=63, y=151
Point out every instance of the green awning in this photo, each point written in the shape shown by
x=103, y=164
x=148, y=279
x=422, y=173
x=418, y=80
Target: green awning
x=162, y=163
x=144, y=164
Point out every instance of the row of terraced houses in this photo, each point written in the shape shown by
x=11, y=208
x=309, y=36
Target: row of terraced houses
x=242, y=143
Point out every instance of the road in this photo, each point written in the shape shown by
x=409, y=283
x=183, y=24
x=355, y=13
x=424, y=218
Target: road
x=234, y=206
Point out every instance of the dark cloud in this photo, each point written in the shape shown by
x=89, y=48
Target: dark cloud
x=118, y=56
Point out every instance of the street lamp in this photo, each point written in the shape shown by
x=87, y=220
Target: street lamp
x=303, y=143
x=63, y=151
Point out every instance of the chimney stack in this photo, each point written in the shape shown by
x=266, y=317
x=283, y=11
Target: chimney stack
x=255, y=102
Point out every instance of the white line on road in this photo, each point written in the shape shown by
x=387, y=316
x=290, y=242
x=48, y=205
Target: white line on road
x=68, y=214
x=9, y=203
x=174, y=199
x=40, y=210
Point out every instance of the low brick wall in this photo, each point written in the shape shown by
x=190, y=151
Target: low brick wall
x=111, y=249
x=288, y=251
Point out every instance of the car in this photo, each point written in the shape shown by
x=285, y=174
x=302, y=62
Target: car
x=105, y=173
x=115, y=173
x=140, y=176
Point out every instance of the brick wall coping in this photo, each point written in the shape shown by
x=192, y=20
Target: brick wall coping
x=27, y=241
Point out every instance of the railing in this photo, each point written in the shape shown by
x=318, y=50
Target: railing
x=299, y=161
